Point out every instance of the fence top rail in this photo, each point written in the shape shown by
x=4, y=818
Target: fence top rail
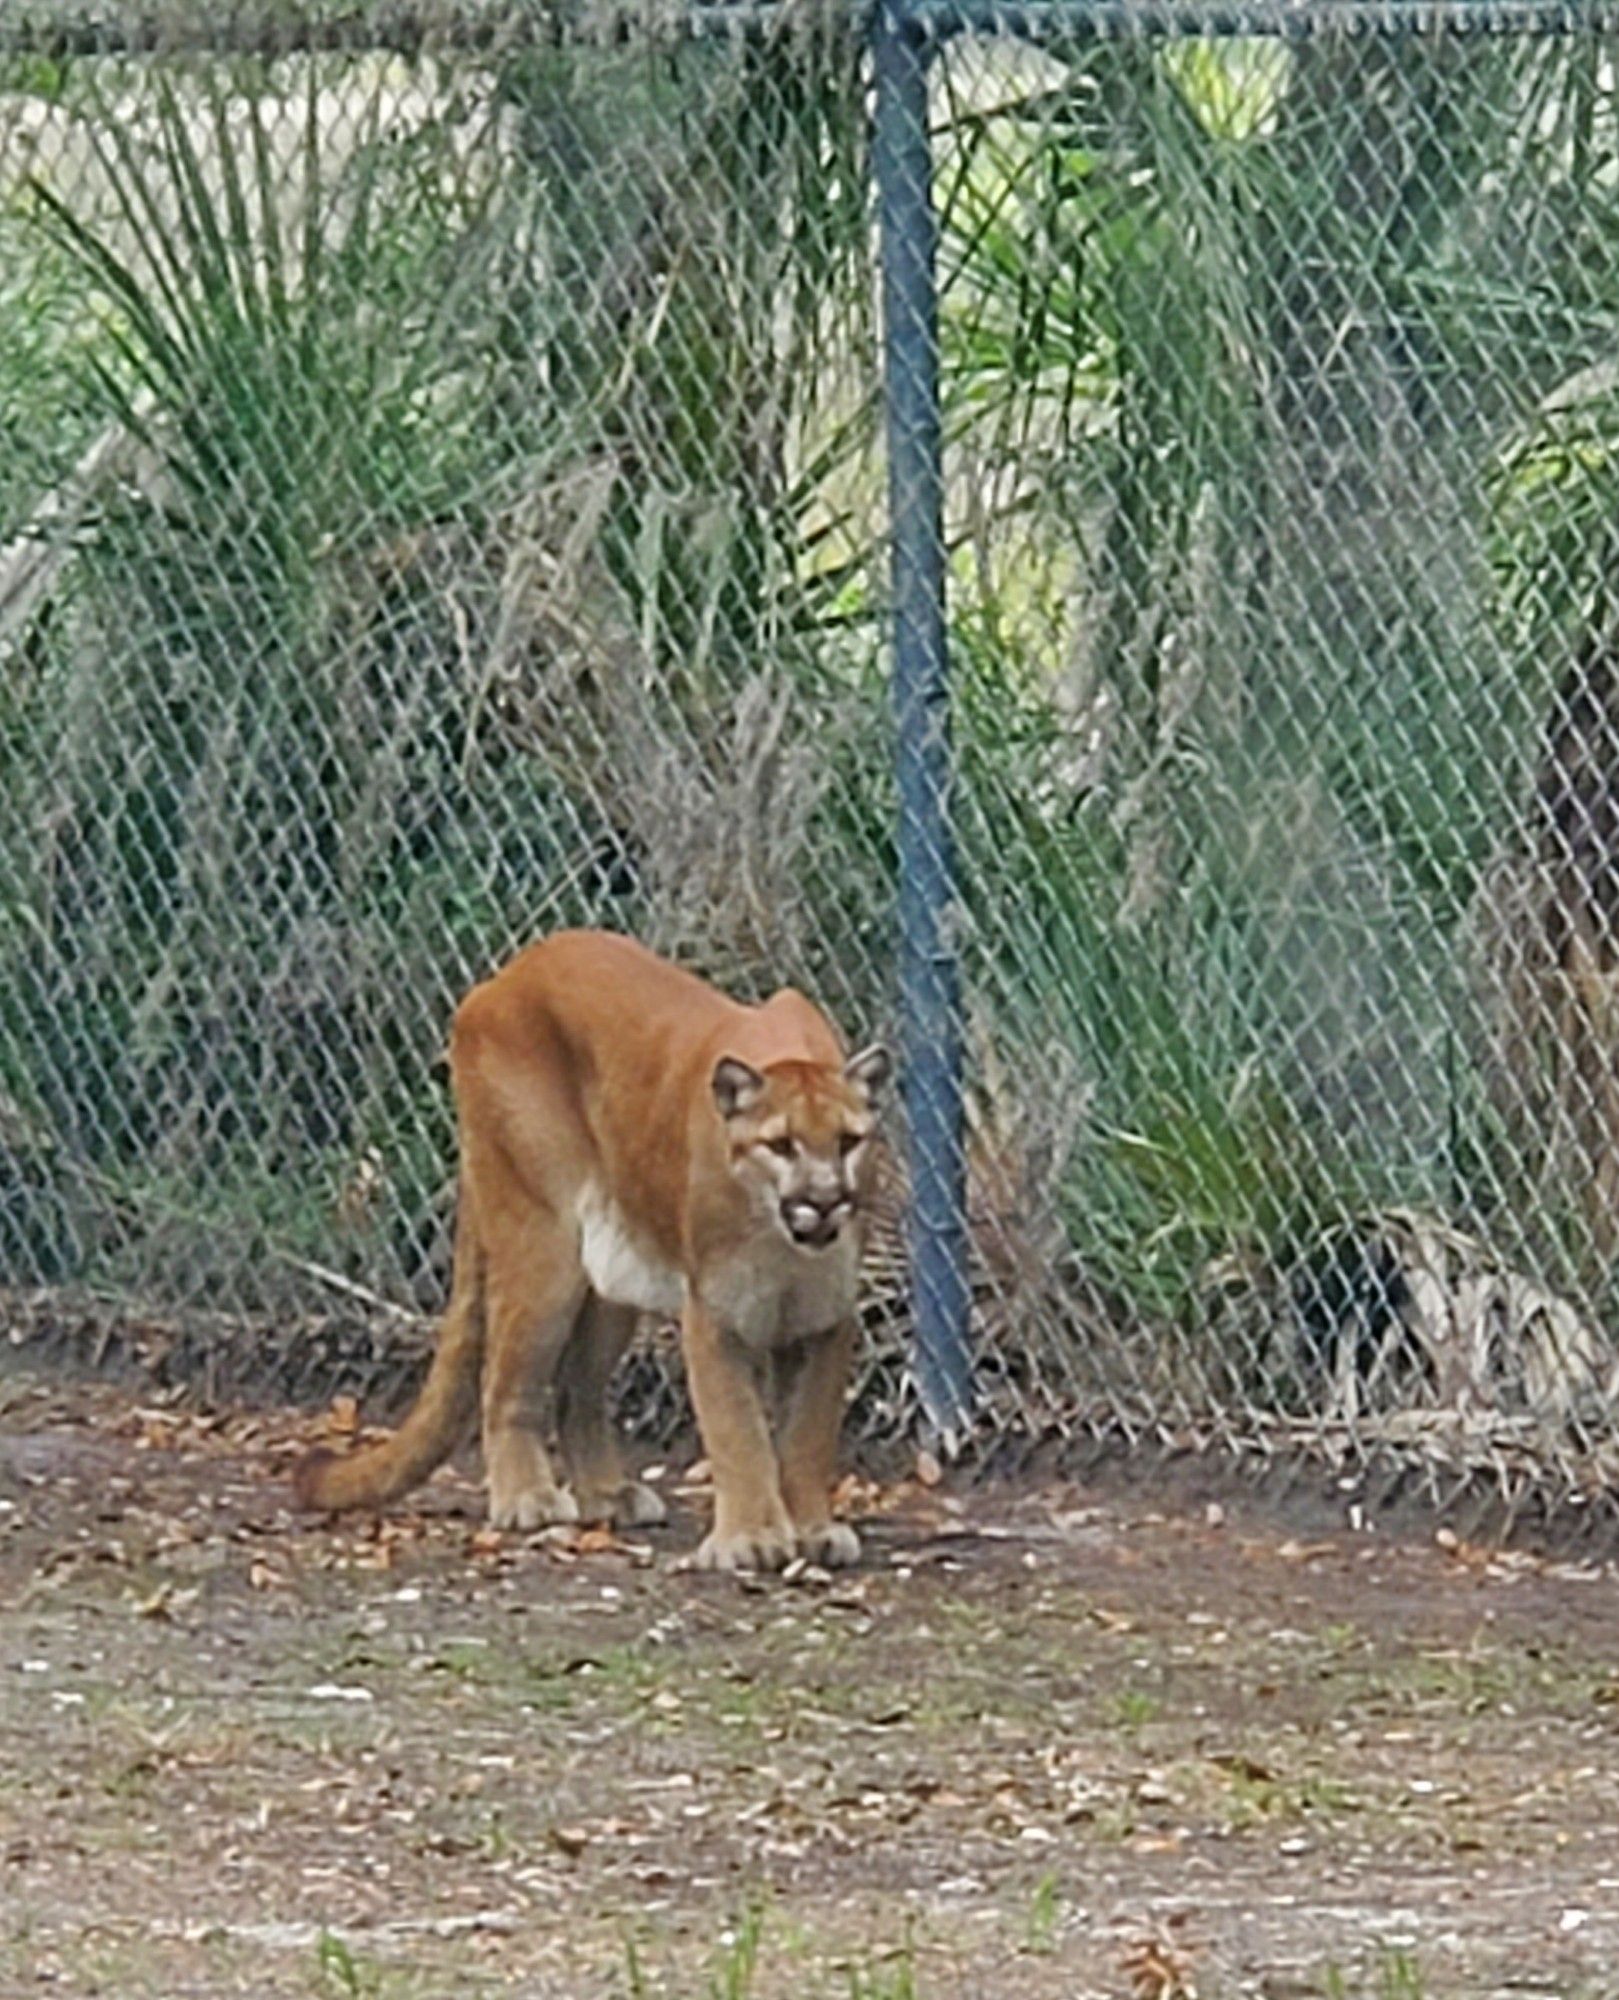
x=65, y=28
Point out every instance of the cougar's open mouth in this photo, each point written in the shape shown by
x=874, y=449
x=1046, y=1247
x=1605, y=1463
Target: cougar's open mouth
x=812, y=1227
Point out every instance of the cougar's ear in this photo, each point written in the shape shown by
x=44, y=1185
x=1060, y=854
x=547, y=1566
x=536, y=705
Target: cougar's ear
x=870, y=1072
x=736, y=1086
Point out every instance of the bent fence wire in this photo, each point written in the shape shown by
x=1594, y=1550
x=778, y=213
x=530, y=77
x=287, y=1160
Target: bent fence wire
x=442, y=498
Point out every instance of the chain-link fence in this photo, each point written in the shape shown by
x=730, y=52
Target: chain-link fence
x=442, y=498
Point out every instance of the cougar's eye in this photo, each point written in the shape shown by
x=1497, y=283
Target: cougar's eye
x=848, y=1142
x=783, y=1147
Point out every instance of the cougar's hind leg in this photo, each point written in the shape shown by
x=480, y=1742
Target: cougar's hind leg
x=590, y=1449
x=534, y=1289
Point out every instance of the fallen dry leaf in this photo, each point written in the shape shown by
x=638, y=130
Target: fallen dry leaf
x=165, y=1601
x=1157, y=1971
x=343, y=1416
x=1469, y=1554
x=1241, y=1765
x=855, y=1494
x=1292, y=1551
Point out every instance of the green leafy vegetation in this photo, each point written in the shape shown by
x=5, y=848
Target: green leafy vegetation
x=494, y=540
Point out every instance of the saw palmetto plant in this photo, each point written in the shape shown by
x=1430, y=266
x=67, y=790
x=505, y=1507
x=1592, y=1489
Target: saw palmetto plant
x=448, y=502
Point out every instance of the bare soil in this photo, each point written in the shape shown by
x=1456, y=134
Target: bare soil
x=1043, y=1743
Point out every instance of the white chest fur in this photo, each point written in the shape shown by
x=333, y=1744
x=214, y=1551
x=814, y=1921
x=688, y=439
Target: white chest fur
x=619, y=1268
x=767, y=1293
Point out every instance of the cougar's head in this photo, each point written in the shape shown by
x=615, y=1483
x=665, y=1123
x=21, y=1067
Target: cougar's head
x=798, y=1133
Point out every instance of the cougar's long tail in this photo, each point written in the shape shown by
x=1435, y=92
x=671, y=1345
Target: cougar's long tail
x=437, y=1422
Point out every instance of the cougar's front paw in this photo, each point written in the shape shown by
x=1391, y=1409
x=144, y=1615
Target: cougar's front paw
x=746, y=1548
x=832, y=1544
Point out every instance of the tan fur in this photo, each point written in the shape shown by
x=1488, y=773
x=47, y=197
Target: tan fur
x=632, y=1140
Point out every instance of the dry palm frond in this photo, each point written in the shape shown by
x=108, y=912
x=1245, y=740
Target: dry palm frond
x=1401, y=1311
x=722, y=813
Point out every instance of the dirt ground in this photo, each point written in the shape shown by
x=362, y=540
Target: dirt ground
x=1042, y=1744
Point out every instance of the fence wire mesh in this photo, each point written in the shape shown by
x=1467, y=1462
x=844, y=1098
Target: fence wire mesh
x=441, y=499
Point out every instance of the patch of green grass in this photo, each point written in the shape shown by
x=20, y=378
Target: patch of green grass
x=742, y=1704
x=1400, y=1977
x=136, y=1966
x=1477, y=1681
x=550, y=1692
x=889, y=1975
x=1112, y=1824
x=352, y=1974
x=1256, y=1797
x=1394, y=1974
x=635, y=1983
x=615, y=1677
x=465, y=1659
x=732, y=1978
x=1045, y=1909
x=132, y=1778
x=1134, y=1708
x=750, y=1951
x=499, y=1842
x=894, y=1978
x=1471, y=1682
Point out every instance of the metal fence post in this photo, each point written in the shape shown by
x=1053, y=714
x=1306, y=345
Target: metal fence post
x=930, y=983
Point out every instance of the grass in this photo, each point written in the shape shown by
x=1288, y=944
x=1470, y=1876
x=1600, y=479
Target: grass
x=345, y=1972
x=732, y=1978
x=1259, y=1797
x=1045, y=1913
x=348, y=1972
x=747, y=1952
x=889, y=1976
x=1394, y=1973
x=1478, y=1680
x=759, y=1945
x=1134, y=1708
